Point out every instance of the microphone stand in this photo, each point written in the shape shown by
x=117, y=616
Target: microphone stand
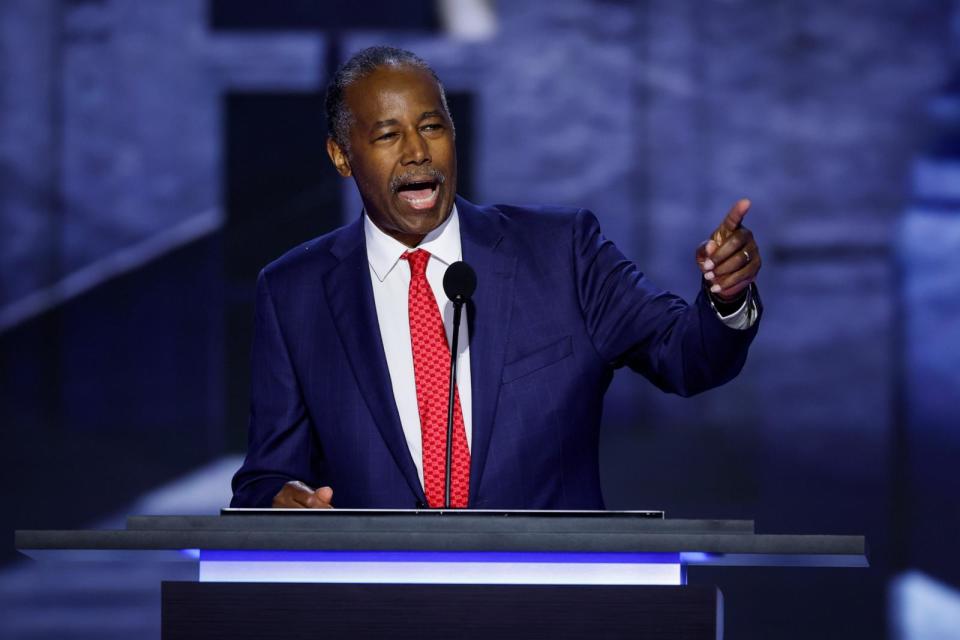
x=457, y=308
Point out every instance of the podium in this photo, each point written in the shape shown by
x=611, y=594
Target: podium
x=444, y=574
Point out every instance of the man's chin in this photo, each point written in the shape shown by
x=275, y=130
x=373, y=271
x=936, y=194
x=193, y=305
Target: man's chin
x=423, y=224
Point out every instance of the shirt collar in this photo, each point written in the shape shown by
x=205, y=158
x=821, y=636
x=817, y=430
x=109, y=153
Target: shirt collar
x=384, y=252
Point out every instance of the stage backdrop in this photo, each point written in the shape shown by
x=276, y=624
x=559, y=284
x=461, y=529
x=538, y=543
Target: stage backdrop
x=155, y=155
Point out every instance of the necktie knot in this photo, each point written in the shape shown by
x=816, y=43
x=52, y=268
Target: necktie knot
x=418, y=262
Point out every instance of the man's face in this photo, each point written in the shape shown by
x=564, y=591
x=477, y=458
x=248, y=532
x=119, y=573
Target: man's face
x=402, y=155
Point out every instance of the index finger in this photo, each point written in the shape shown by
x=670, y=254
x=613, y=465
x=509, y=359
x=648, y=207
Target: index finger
x=735, y=216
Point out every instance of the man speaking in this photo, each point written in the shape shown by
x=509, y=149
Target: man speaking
x=351, y=352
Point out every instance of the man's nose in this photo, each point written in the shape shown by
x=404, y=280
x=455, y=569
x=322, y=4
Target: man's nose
x=415, y=149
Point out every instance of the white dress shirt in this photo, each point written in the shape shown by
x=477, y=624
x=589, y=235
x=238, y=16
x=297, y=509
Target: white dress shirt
x=390, y=277
x=744, y=317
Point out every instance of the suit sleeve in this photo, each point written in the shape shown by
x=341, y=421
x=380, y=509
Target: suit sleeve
x=682, y=348
x=281, y=442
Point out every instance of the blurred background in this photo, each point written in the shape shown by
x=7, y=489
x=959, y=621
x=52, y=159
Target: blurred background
x=155, y=155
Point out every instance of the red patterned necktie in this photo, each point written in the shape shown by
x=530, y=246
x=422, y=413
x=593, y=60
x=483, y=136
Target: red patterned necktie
x=431, y=371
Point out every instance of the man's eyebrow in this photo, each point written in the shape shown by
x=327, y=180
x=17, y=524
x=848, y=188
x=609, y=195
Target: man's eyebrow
x=379, y=124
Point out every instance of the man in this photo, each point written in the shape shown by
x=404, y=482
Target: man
x=351, y=348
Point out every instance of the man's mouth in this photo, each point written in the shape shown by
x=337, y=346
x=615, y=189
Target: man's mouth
x=419, y=192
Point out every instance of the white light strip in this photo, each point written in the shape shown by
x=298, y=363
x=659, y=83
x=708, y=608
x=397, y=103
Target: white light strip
x=469, y=20
x=442, y=572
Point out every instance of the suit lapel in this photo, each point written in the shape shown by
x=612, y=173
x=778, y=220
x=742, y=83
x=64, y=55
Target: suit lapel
x=488, y=318
x=350, y=294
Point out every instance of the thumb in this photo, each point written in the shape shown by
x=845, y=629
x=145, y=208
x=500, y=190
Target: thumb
x=325, y=494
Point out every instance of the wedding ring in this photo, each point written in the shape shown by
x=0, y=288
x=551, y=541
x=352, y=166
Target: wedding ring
x=746, y=254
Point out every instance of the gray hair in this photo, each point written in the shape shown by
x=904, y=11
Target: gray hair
x=358, y=67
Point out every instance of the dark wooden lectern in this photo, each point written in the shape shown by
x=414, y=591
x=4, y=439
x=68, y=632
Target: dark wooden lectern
x=435, y=574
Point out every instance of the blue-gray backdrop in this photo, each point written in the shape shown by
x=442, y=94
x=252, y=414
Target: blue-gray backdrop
x=155, y=155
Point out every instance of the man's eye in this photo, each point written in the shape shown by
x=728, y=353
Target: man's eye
x=387, y=136
x=432, y=127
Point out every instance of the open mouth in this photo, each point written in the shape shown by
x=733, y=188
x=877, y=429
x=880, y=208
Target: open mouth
x=419, y=193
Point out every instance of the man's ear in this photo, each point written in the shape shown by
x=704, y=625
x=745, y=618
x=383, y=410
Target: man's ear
x=338, y=157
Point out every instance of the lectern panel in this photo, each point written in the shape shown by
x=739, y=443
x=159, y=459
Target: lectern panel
x=239, y=611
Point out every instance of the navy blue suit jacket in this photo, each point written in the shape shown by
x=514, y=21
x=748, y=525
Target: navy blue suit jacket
x=557, y=309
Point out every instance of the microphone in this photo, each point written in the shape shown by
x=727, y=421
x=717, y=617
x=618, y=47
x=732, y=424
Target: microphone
x=459, y=283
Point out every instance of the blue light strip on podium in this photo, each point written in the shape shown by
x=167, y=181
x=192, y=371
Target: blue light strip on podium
x=835, y=560
x=442, y=567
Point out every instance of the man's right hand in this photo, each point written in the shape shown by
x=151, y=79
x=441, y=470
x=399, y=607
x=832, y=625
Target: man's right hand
x=297, y=495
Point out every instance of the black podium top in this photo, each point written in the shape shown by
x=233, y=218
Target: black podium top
x=712, y=542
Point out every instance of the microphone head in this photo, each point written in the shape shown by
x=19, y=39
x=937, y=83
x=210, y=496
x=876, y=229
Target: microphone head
x=459, y=281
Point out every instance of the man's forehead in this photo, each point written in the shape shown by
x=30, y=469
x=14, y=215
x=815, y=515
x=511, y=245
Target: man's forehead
x=390, y=92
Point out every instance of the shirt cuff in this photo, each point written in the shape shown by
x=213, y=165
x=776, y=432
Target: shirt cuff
x=744, y=317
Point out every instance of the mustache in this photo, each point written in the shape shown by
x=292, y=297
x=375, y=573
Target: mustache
x=421, y=175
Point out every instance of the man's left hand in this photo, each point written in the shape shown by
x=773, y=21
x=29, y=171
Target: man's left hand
x=730, y=259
